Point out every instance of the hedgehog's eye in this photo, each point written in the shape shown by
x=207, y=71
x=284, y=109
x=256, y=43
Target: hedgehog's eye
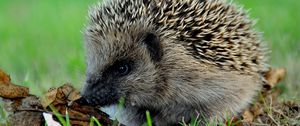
x=122, y=68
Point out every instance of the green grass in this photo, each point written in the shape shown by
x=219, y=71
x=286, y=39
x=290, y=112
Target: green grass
x=148, y=117
x=41, y=42
x=94, y=120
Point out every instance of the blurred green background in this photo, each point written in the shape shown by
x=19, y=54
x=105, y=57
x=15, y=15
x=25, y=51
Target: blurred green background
x=41, y=40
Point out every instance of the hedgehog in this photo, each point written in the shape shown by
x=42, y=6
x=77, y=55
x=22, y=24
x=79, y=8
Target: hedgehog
x=176, y=59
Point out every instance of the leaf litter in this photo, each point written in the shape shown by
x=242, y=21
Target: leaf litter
x=27, y=109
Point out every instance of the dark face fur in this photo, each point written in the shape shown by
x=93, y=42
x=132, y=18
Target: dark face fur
x=122, y=64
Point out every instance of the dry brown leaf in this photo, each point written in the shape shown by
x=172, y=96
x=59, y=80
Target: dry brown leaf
x=4, y=78
x=49, y=97
x=70, y=92
x=10, y=90
x=248, y=116
x=91, y=111
x=256, y=110
x=64, y=99
x=62, y=95
x=274, y=76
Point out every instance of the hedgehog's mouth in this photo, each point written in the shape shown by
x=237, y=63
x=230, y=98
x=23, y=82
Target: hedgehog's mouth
x=112, y=111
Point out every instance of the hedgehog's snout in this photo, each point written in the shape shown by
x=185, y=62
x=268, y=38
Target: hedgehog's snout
x=99, y=92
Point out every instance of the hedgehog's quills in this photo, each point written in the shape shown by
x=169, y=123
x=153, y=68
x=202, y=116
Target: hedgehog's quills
x=175, y=58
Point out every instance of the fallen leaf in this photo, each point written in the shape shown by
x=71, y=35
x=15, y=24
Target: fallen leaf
x=62, y=95
x=49, y=97
x=70, y=92
x=256, y=110
x=10, y=90
x=66, y=98
x=4, y=78
x=273, y=76
x=248, y=116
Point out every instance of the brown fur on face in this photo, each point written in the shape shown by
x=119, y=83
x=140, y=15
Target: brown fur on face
x=118, y=46
x=182, y=61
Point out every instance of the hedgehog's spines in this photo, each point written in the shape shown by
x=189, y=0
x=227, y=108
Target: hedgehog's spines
x=212, y=31
x=211, y=59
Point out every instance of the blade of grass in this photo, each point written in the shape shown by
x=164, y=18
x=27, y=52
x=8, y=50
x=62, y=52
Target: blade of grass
x=121, y=103
x=2, y=113
x=148, y=117
x=58, y=115
x=67, y=118
x=92, y=120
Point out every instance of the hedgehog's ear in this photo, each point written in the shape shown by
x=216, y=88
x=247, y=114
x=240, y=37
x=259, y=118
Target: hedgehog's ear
x=153, y=45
